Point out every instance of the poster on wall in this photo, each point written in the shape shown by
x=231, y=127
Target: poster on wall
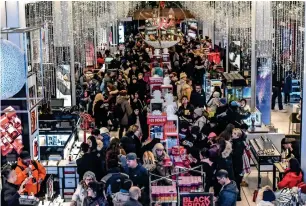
x=33, y=121
x=203, y=199
x=10, y=132
x=264, y=88
x=121, y=34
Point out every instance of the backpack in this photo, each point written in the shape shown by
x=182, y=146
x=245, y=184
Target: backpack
x=119, y=113
x=15, y=165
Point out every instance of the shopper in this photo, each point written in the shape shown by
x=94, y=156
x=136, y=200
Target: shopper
x=89, y=162
x=292, y=146
x=293, y=175
x=135, y=194
x=114, y=150
x=105, y=134
x=137, y=103
x=142, y=90
x=130, y=142
x=10, y=192
x=160, y=155
x=287, y=86
x=123, y=196
x=95, y=195
x=229, y=191
x=126, y=111
x=99, y=111
x=265, y=197
x=208, y=167
x=139, y=118
x=277, y=86
x=214, y=103
x=186, y=110
x=92, y=142
x=136, y=172
x=238, y=151
x=29, y=168
x=180, y=85
x=198, y=97
x=133, y=87
x=114, y=177
x=148, y=160
x=81, y=190
x=187, y=89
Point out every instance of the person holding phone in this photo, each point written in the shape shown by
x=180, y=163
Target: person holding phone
x=10, y=192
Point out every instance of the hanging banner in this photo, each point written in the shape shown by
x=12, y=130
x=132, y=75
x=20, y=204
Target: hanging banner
x=195, y=199
x=264, y=88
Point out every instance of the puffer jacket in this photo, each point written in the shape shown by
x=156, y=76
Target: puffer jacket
x=291, y=179
x=120, y=198
x=126, y=108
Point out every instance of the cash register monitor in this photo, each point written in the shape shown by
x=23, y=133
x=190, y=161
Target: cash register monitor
x=56, y=103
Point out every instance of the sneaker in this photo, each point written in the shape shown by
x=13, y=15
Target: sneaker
x=282, y=111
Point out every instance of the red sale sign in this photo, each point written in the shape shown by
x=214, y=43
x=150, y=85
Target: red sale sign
x=196, y=199
x=156, y=119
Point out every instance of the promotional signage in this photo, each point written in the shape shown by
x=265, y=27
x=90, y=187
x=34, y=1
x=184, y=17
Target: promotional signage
x=156, y=80
x=196, y=199
x=156, y=119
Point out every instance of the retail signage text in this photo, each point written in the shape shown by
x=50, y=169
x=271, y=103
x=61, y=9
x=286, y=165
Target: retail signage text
x=196, y=199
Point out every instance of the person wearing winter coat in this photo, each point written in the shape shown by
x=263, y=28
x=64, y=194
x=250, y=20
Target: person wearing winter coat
x=265, y=197
x=81, y=190
x=287, y=86
x=95, y=195
x=199, y=71
x=142, y=89
x=122, y=100
x=133, y=87
x=104, y=132
x=159, y=155
x=238, y=144
x=229, y=191
x=214, y=103
x=186, y=110
x=208, y=167
x=139, y=119
x=187, y=89
x=180, y=85
x=224, y=161
x=198, y=97
x=114, y=150
x=149, y=161
x=200, y=119
x=89, y=162
x=135, y=194
x=130, y=142
x=293, y=175
x=99, y=111
x=121, y=197
x=10, y=193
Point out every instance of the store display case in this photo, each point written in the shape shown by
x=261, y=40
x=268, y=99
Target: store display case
x=264, y=155
x=256, y=117
x=235, y=85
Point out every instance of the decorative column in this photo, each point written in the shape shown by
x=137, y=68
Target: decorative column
x=261, y=68
x=303, y=130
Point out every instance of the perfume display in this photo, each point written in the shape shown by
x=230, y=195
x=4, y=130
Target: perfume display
x=170, y=127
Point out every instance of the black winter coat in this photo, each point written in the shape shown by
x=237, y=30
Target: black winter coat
x=89, y=162
x=238, y=150
x=131, y=143
x=198, y=99
x=9, y=194
x=143, y=124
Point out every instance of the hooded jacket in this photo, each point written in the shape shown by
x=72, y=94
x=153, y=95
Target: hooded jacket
x=291, y=179
x=120, y=198
x=126, y=108
x=39, y=173
x=228, y=195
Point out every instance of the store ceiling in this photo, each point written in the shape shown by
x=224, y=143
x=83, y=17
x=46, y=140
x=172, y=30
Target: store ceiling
x=179, y=13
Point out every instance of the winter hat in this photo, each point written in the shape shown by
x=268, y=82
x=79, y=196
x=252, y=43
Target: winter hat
x=268, y=196
x=104, y=130
x=211, y=135
x=89, y=174
x=25, y=155
x=183, y=75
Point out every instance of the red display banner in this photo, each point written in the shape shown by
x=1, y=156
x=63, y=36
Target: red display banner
x=156, y=119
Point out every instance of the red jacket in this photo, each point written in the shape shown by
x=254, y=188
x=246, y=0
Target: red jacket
x=291, y=179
